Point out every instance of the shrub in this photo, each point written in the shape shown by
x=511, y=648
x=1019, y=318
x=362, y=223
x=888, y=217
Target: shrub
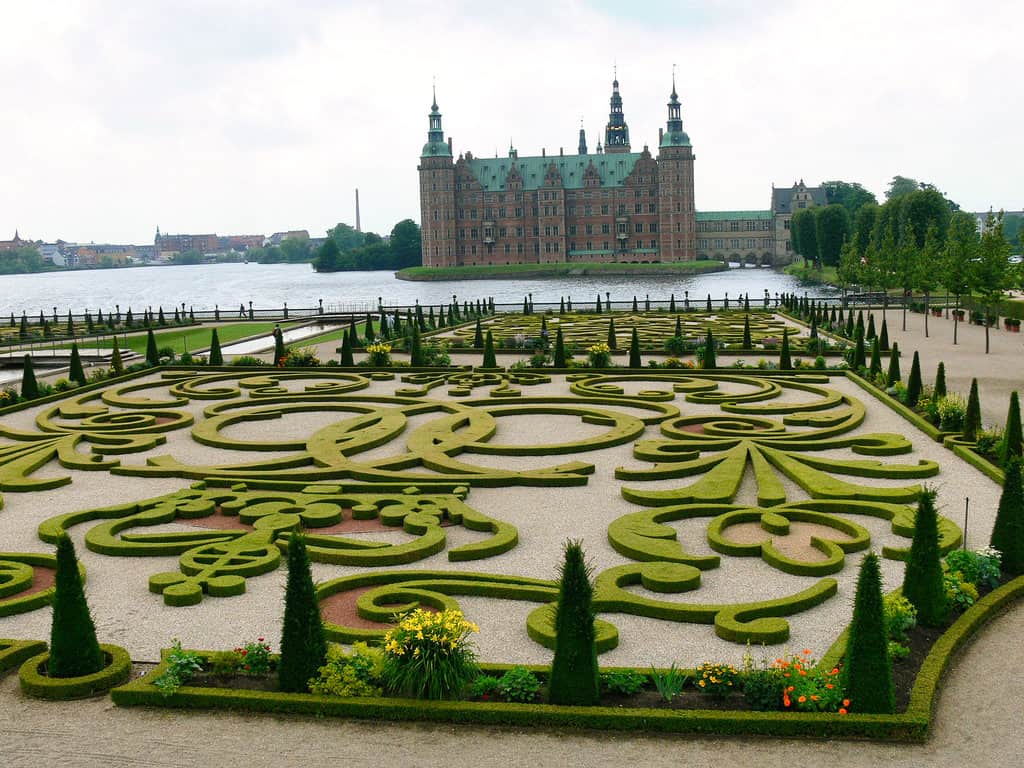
x=301, y=358
x=894, y=374
x=951, y=410
x=764, y=689
x=1012, y=441
x=216, y=358
x=76, y=372
x=560, y=356
x=922, y=581
x=599, y=355
x=416, y=347
x=29, y=387
x=181, y=667
x=808, y=687
x=62, y=385
x=484, y=686
x=785, y=360
x=248, y=360
x=430, y=655
x=914, y=382
x=518, y=684
x=972, y=415
x=634, y=350
x=716, y=679
x=226, y=664
x=623, y=682
x=820, y=364
x=900, y=615
x=303, y=646
x=116, y=366
x=359, y=673
x=379, y=355
x=574, y=676
x=1008, y=531
x=489, y=360
x=669, y=683
x=867, y=671
x=152, y=353
x=706, y=354
x=255, y=658
x=74, y=650
x=959, y=592
x=940, y=381
x=676, y=346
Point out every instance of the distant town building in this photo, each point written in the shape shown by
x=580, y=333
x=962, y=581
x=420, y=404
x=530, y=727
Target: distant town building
x=14, y=243
x=278, y=237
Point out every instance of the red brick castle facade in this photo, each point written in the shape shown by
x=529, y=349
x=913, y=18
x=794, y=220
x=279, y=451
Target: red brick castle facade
x=613, y=205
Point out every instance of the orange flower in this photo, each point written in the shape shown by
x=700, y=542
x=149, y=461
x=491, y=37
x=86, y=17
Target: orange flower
x=835, y=671
x=846, y=702
x=842, y=710
x=802, y=699
x=786, y=701
x=829, y=686
x=807, y=651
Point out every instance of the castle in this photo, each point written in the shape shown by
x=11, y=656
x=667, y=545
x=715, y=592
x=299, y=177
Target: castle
x=613, y=205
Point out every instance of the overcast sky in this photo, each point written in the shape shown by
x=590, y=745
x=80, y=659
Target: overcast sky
x=250, y=116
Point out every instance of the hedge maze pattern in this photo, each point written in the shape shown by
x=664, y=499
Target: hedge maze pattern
x=391, y=452
x=653, y=328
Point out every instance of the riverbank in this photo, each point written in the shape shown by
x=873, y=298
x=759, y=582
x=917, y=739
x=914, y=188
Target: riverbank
x=812, y=275
x=519, y=271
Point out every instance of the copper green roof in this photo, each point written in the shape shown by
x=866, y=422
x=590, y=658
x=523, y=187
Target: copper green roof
x=436, y=149
x=732, y=215
x=613, y=169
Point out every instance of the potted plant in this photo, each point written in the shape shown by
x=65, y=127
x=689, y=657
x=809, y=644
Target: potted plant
x=959, y=314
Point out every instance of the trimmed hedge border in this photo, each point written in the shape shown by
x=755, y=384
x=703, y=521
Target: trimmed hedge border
x=14, y=652
x=40, y=686
x=912, y=725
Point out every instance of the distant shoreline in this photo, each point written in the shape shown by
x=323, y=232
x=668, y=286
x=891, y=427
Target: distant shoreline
x=519, y=271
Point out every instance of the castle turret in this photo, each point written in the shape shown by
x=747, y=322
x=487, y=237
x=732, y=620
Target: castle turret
x=616, y=133
x=677, y=217
x=437, y=194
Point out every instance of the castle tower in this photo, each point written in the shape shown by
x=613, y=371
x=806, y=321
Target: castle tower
x=677, y=218
x=437, y=195
x=583, y=140
x=616, y=133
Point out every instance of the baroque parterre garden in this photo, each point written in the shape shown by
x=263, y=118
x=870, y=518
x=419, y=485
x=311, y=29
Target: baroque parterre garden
x=712, y=549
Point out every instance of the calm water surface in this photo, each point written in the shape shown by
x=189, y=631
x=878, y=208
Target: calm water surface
x=271, y=285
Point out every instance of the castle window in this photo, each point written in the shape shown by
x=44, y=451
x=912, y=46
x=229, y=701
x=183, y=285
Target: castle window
x=604, y=209
x=588, y=210
x=605, y=229
x=519, y=248
x=622, y=208
x=605, y=245
x=501, y=231
x=472, y=213
x=734, y=226
x=786, y=224
x=571, y=211
x=536, y=231
x=590, y=229
x=719, y=243
x=474, y=250
x=638, y=193
x=547, y=231
x=572, y=230
x=519, y=212
x=734, y=243
x=590, y=245
x=519, y=231
x=654, y=243
x=474, y=233
x=556, y=230
x=501, y=213
x=652, y=207
x=638, y=208
x=801, y=204
x=508, y=248
x=638, y=227
x=653, y=227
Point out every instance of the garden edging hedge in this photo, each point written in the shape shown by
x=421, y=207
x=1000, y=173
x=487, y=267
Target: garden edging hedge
x=40, y=686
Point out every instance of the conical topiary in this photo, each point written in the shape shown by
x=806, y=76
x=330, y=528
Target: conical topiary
x=1012, y=442
x=922, y=581
x=883, y=336
x=216, y=357
x=561, y=305
x=708, y=307
x=1008, y=531
x=785, y=361
x=709, y=360
x=972, y=416
x=303, y=646
x=671, y=307
x=939, y=390
x=152, y=355
x=914, y=385
x=859, y=355
x=559, y=354
x=894, y=365
x=74, y=650
x=416, y=356
x=478, y=336
x=748, y=343
x=849, y=324
x=489, y=359
x=369, y=333
x=29, y=386
x=635, y=307
x=574, y=676
x=116, y=366
x=346, y=352
x=860, y=320
x=679, y=327
x=280, y=352
x=598, y=305
x=867, y=671
x=76, y=373
x=634, y=350
x=876, y=359
x=612, y=341
x=870, y=333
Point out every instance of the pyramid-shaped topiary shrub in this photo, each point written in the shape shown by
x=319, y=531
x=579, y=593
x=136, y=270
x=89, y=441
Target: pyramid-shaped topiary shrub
x=303, y=645
x=922, y=582
x=574, y=676
x=867, y=669
x=1008, y=531
x=489, y=360
x=634, y=350
x=74, y=650
x=216, y=357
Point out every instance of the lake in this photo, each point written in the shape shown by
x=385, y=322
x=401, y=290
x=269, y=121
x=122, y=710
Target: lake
x=271, y=285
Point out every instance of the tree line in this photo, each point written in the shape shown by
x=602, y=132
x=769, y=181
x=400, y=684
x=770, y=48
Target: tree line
x=347, y=250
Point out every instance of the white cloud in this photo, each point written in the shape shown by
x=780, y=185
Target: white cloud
x=234, y=116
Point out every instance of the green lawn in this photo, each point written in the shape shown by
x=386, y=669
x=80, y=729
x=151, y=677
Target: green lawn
x=190, y=338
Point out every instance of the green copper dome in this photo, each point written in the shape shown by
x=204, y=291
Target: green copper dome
x=436, y=149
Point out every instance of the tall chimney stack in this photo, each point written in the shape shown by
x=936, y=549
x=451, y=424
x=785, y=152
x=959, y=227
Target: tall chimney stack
x=358, y=226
